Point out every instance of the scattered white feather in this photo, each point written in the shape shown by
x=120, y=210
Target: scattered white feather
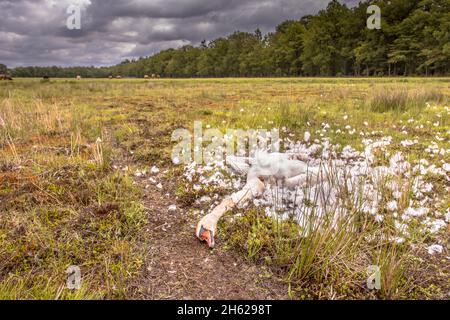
x=435, y=248
x=154, y=170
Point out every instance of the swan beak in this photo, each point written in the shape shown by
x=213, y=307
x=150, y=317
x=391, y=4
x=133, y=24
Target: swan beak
x=206, y=235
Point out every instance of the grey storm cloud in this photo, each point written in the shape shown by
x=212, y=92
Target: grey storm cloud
x=34, y=32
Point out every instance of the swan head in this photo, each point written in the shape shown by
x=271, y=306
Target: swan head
x=206, y=235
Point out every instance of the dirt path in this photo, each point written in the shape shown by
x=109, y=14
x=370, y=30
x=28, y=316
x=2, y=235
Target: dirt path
x=178, y=266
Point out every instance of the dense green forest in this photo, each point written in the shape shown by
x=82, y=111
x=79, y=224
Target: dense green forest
x=414, y=40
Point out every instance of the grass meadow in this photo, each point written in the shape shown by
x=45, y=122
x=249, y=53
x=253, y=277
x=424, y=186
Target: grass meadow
x=75, y=169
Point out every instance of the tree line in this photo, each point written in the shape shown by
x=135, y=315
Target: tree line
x=414, y=39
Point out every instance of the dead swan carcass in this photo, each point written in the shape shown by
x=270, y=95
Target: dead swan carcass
x=280, y=167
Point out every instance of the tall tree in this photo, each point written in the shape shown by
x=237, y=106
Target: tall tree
x=324, y=51
x=3, y=69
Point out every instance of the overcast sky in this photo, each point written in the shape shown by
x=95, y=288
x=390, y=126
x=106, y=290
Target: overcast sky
x=34, y=32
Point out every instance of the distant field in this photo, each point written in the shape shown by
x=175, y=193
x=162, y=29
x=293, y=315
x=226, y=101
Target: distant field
x=76, y=188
